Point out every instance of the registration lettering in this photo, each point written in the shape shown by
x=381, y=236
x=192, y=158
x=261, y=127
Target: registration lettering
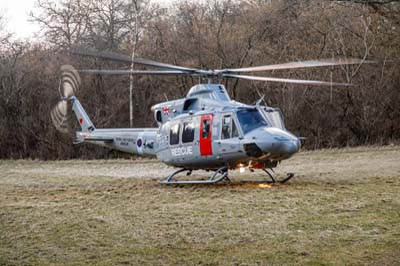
x=182, y=151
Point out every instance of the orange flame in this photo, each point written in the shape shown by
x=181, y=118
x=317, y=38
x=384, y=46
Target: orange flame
x=254, y=185
x=264, y=186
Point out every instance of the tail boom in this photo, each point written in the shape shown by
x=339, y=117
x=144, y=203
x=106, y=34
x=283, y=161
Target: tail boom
x=138, y=141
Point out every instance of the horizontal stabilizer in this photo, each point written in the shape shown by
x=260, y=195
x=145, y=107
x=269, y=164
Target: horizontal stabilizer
x=83, y=136
x=98, y=138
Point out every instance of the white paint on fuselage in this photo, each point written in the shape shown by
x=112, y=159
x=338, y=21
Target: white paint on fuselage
x=182, y=151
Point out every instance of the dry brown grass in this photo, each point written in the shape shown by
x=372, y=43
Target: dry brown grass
x=342, y=209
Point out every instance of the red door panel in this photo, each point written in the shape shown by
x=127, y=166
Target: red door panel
x=205, y=135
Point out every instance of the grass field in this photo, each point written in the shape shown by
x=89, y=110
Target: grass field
x=343, y=208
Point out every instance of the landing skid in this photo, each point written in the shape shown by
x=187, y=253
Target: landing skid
x=222, y=175
x=219, y=175
x=274, y=180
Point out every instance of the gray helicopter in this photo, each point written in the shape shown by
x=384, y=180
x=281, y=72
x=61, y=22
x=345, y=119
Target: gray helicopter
x=206, y=130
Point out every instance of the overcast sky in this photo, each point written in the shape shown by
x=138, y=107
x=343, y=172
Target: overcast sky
x=17, y=14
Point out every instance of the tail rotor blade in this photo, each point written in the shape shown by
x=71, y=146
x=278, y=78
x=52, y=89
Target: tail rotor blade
x=60, y=116
x=70, y=81
x=69, y=84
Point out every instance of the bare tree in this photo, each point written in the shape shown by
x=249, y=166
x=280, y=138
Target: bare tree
x=107, y=24
x=4, y=34
x=63, y=23
x=216, y=34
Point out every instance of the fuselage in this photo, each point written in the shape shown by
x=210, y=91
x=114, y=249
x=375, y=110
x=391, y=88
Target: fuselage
x=214, y=139
x=205, y=130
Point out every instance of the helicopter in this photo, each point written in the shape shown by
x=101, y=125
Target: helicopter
x=205, y=130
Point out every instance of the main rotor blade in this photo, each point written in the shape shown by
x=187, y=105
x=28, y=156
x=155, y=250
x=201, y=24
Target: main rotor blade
x=300, y=64
x=127, y=59
x=134, y=72
x=294, y=81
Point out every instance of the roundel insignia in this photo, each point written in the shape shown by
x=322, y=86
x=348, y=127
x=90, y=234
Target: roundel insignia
x=139, y=143
x=80, y=121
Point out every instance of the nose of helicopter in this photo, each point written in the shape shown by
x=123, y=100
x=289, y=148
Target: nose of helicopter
x=286, y=148
x=276, y=143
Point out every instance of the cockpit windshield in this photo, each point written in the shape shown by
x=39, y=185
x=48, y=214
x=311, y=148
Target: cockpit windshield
x=274, y=117
x=250, y=119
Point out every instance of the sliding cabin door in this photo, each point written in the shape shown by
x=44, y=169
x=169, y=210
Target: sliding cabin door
x=206, y=135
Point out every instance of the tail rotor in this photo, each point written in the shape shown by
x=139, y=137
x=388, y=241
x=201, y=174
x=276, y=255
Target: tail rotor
x=61, y=116
x=70, y=81
x=69, y=85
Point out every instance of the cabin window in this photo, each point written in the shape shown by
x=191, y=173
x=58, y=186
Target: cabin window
x=188, y=132
x=174, y=134
x=206, y=128
x=229, y=129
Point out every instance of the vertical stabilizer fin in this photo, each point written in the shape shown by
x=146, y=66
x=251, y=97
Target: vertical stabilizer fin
x=83, y=119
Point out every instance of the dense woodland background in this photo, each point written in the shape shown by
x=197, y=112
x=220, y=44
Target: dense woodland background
x=205, y=34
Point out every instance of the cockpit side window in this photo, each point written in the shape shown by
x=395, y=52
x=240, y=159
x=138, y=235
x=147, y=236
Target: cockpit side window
x=250, y=119
x=228, y=128
x=235, y=132
x=274, y=116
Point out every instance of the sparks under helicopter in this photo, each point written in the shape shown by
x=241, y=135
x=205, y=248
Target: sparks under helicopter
x=206, y=130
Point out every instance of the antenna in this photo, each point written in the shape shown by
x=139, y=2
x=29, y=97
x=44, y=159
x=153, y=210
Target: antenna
x=166, y=97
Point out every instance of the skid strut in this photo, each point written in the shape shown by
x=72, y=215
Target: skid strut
x=219, y=175
x=274, y=180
